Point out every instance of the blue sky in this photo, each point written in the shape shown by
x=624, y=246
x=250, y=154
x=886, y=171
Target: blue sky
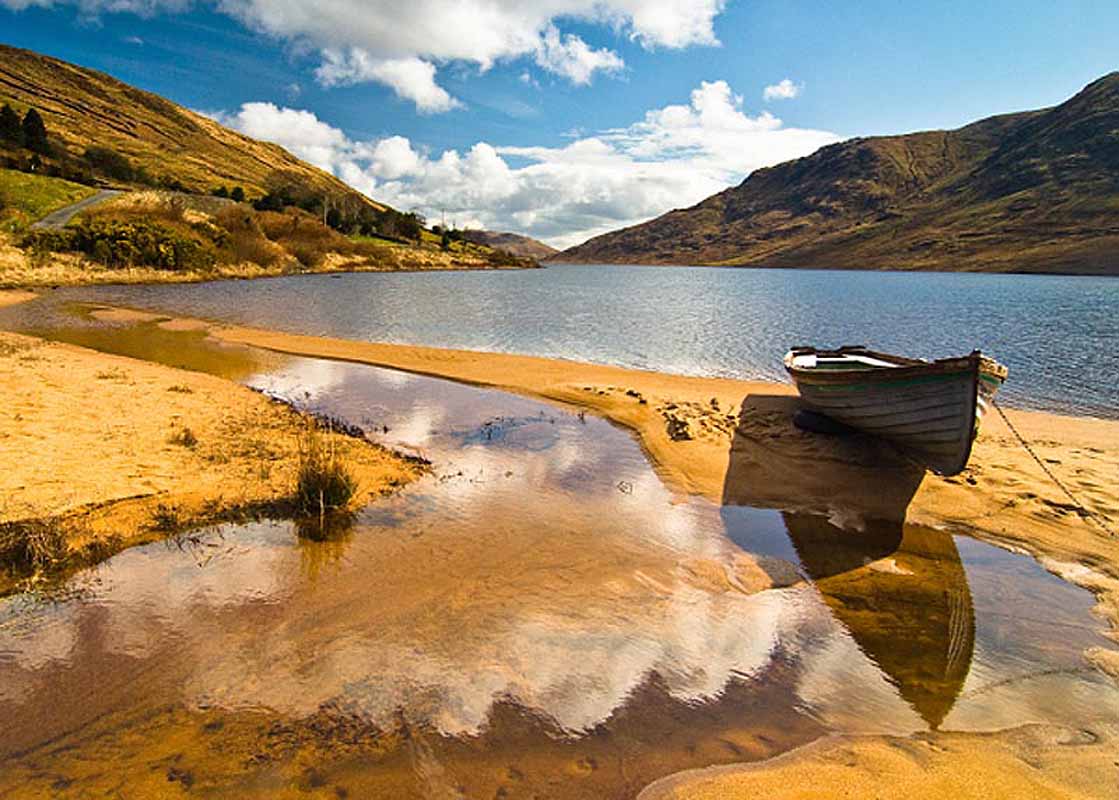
x=565, y=118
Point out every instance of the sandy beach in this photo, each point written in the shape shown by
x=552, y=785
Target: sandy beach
x=1032, y=761
x=99, y=443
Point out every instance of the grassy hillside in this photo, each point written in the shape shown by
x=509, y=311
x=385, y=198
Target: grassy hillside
x=25, y=198
x=84, y=108
x=1031, y=192
x=170, y=237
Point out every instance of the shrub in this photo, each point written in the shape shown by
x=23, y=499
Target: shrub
x=35, y=133
x=324, y=483
x=11, y=129
x=127, y=243
x=244, y=239
x=109, y=163
x=166, y=518
x=237, y=195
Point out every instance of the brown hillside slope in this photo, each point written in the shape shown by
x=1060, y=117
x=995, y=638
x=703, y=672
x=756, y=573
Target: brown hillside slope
x=84, y=107
x=1036, y=191
x=512, y=243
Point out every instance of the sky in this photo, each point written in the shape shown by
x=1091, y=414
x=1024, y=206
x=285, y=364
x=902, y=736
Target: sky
x=563, y=119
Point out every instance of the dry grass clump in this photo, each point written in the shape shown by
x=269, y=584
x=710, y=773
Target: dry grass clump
x=32, y=545
x=245, y=240
x=184, y=438
x=305, y=237
x=302, y=235
x=324, y=483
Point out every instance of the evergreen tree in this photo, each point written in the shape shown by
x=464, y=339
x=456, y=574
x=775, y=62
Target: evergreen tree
x=11, y=129
x=35, y=133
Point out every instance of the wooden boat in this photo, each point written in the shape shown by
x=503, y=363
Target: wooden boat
x=930, y=409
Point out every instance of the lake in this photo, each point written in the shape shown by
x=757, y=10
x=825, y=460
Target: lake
x=1059, y=335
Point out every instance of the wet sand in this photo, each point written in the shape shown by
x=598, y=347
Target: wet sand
x=96, y=440
x=9, y=297
x=1032, y=761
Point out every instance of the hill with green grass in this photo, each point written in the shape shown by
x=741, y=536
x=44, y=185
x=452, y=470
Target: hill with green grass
x=25, y=197
x=162, y=144
x=1036, y=191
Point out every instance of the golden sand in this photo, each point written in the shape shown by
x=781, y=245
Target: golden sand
x=96, y=439
x=745, y=449
x=1030, y=762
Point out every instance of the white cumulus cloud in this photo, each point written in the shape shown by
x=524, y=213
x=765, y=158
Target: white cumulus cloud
x=404, y=45
x=673, y=157
x=782, y=90
x=574, y=59
x=411, y=78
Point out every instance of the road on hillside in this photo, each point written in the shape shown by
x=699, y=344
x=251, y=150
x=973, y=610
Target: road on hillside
x=59, y=218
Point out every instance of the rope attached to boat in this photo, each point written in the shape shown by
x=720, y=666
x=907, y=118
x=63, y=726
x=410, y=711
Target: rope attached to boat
x=1085, y=512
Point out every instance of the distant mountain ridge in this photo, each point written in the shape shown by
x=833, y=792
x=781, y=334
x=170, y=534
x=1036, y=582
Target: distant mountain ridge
x=83, y=107
x=512, y=243
x=1036, y=191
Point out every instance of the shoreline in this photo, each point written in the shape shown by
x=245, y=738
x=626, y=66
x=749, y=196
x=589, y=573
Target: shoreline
x=744, y=450
x=158, y=451
x=733, y=443
x=54, y=275
x=1031, y=761
x=719, y=265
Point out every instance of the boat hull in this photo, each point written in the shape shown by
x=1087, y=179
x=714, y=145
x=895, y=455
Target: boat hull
x=929, y=409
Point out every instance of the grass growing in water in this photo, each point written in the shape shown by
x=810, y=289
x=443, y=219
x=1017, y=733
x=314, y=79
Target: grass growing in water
x=324, y=484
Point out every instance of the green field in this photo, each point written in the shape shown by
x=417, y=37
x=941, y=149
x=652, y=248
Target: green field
x=25, y=198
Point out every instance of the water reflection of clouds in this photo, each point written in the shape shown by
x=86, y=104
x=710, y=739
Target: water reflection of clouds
x=577, y=668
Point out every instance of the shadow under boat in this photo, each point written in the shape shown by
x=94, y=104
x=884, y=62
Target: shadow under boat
x=902, y=593
x=901, y=590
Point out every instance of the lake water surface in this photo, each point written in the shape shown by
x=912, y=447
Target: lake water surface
x=1059, y=335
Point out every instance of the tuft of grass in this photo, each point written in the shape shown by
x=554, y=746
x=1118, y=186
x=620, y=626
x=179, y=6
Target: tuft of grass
x=184, y=437
x=166, y=518
x=324, y=484
x=32, y=545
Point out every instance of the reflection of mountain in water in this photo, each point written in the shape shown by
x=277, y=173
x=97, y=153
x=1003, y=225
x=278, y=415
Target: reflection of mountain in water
x=902, y=593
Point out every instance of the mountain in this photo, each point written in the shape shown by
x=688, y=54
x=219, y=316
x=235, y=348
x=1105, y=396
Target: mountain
x=82, y=108
x=514, y=243
x=1036, y=191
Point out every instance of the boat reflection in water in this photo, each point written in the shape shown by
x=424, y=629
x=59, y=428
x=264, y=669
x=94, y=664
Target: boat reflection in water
x=902, y=592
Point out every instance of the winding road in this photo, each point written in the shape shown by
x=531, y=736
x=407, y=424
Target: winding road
x=59, y=218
